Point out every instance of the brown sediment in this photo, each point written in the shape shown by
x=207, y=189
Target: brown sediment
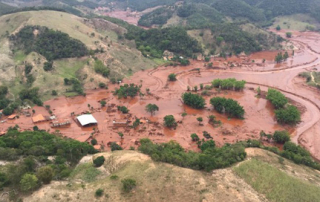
x=167, y=95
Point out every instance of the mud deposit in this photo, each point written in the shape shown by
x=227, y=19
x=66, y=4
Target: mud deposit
x=167, y=95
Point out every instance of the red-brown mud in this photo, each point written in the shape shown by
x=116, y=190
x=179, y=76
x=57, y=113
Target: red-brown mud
x=167, y=95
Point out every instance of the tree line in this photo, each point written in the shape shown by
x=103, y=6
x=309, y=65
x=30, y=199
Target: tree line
x=49, y=43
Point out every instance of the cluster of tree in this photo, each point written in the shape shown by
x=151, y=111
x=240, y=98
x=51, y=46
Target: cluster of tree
x=100, y=68
x=229, y=84
x=194, y=100
x=280, y=137
x=32, y=149
x=5, y=9
x=31, y=94
x=153, y=42
x=210, y=158
x=290, y=151
x=141, y=5
x=277, y=99
x=236, y=9
x=6, y=105
x=49, y=43
x=123, y=109
x=76, y=85
x=284, y=114
x=159, y=16
x=126, y=90
x=239, y=40
x=229, y=106
x=281, y=57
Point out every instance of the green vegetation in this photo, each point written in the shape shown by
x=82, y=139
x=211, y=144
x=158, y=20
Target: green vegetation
x=100, y=68
x=169, y=121
x=277, y=99
x=229, y=84
x=172, y=77
x=275, y=184
x=288, y=115
x=154, y=42
x=76, y=85
x=210, y=158
x=31, y=94
x=48, y=66
x=33, y=149
x=128, y=184
x=284, y=114
x=114, y=146
x=195, y=137
x=152, y=108
x=123, y=109
x=229, y=106
x=159, y=16
x=47, y=42
x=99, y=192
x=98, y=161
x=126, y=90
x=281, y=136
x=193, y=100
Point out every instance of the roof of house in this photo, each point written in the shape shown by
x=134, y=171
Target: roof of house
x=12, y=116
x=38, y=118
x=86, y=119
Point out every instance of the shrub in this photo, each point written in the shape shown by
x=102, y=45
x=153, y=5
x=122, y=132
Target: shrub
x=54, y=92
x=194, y=137
x=128, y=184
x=45, y=174
x=289, y=115
x=99, y=192
x=126, y=90
x=277, y=99
x=100, y=68
x=103, y=103
x=281, y=137
x=94, y=141
x=28, y=182
x=193, y=100
x=98, y=161
x=48, y=66
x=169, y=121
x=102, y=85
x=172, y=77
x=152, y=108
x=114, y=146
x=123, y=109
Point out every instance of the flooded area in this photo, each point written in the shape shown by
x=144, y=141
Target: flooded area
x=167, y=96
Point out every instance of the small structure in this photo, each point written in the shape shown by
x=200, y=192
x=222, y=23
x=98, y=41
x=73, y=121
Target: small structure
x=50, y=118
x=39, y=118
x=120, y=123
x=13, y=116
x=86, y=120
x=60, y=123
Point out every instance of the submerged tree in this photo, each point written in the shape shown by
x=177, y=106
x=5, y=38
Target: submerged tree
x=152, y=108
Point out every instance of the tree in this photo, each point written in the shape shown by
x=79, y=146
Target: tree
x=228, y=106
x=152, y=108
x=27, y=69
x=279, y=58
x=48, y=66
x=281, y=136
x=94, y=141
x=210, y=144
x=123, y=109
x=54, y=92
x=114, y=146
x=288, y=34
x=98, y=161
x=200, y=119
x=258, y=91
x=103, y=103
x=28, y=182
x=102, y=85
x=201, y=86
x=169, y=121
x=35, y=128
x=99, y=192
x=194, y=100
x=136, y=123
x=45, y=174
x=289, y=115
x=172, y=77
x=194, y=137
x=128, y=184
x=285, y=56
x=278, y=28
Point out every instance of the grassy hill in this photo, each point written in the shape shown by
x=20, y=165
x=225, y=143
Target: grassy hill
x=121, y=57
x=251, y=180
x=5, y=8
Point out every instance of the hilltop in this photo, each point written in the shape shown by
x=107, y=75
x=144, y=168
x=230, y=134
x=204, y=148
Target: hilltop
x=120, y=56
x=263, y=176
